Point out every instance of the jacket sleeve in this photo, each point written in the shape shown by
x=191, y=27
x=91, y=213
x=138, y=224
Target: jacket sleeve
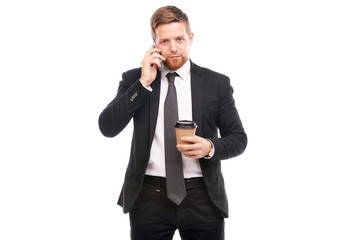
x=130, y=97
x=233, y=140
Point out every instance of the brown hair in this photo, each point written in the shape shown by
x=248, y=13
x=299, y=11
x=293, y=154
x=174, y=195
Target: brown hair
x=168, y=14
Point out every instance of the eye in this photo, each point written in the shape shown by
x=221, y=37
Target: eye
x=164, y=42
x=180, y=39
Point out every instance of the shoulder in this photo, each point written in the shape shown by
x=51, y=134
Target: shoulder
x=130, y=77
x=212, y=79
x=132, y=73
x=208, y=74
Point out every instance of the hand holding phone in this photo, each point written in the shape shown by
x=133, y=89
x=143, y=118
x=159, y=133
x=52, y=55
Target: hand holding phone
x=150, y=64
x=160, y=61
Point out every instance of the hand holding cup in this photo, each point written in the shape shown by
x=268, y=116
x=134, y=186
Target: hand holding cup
x=188, y=143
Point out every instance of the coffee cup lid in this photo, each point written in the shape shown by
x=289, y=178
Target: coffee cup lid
x=186, y=124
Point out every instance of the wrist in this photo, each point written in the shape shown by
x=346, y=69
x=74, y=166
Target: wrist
x=211, y=151
x=144, y=83
x=149, y=88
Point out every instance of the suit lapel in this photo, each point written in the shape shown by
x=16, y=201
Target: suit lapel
x=154, y=105
x=197, y=92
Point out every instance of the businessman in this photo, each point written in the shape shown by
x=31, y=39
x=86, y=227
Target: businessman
x=171, y=186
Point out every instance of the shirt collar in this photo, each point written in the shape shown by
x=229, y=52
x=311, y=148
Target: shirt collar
x=183, y=71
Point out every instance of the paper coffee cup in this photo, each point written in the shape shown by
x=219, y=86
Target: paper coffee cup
x=184, y=128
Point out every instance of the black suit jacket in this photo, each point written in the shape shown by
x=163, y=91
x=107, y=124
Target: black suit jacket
x=213, y=108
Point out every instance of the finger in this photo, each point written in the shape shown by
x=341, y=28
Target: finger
x=157, y=56
x=154, y=59
x=187, y=155
x=186, y=147
x=152, y=51
x=189, y=139
x=155, y=63
x=192, y=155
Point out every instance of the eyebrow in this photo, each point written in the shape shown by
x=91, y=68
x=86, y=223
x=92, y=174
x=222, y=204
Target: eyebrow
x=162, y=39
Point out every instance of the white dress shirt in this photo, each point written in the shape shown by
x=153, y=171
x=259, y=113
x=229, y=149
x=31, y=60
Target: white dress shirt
x=156, y=166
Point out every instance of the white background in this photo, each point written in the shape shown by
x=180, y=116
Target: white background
x=294, y=66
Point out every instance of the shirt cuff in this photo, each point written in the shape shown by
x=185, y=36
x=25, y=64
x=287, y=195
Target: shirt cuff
x=149, y=88
x=212, y=151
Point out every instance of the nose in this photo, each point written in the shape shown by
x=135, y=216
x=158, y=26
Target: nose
x=173, y=47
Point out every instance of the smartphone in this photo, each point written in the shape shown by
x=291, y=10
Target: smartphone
x=158, y=54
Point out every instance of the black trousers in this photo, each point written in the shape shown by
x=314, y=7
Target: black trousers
x=155, y=217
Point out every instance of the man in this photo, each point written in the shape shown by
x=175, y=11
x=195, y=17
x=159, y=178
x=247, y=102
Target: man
x=157, y=203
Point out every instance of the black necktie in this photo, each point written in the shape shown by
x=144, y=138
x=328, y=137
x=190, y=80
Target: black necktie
x=175, y=184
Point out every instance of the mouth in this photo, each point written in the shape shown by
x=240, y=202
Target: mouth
x=174, y=57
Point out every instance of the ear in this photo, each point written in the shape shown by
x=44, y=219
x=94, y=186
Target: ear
x=191, y=38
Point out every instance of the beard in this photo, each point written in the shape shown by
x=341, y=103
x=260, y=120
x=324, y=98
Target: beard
x=174, y=64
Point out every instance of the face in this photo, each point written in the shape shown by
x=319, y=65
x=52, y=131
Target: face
x=174, y=43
